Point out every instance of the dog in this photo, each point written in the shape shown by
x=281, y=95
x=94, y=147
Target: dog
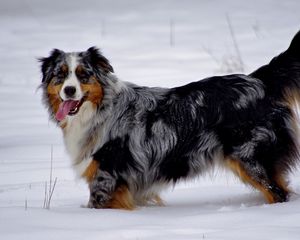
x=129, y=142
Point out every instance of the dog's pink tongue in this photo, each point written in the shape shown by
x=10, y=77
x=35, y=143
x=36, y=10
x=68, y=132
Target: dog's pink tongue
x=64, y=108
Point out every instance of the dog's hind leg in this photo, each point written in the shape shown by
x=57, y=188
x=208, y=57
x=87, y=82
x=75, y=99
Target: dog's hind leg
x=264, y=156
x=253, y=173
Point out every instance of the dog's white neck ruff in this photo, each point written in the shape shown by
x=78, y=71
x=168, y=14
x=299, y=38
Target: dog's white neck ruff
x=75, y=131
x=80, y=139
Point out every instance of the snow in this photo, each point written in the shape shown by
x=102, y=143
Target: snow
x=135, y=36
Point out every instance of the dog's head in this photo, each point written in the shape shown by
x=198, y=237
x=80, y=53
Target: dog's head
x=71, y=80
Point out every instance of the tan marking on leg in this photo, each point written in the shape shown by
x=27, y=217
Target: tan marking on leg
x=282, y=183
x=90, y=172
x=236, y=167
x=121, y=199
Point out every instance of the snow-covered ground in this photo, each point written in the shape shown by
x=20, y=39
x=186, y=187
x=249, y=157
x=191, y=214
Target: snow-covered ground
x=135, y=36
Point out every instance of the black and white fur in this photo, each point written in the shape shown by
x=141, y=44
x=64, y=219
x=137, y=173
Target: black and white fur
x=146, y=138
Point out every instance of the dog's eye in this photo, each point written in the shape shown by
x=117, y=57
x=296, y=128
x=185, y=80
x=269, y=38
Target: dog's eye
x=59, y=77
x=58, y=81
x=83, y=77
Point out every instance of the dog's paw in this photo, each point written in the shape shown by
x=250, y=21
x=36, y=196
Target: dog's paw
x=98, y=200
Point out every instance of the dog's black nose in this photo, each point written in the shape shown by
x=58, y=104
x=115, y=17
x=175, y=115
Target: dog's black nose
x=70, y=91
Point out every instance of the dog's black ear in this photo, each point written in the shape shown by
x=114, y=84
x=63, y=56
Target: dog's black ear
x=99, y=60
x=48, y=64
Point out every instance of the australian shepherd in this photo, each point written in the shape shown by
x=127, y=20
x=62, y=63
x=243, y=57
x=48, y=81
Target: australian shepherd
x=130, y=141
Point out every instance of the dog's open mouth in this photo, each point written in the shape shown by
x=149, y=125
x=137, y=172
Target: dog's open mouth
x=68, y=107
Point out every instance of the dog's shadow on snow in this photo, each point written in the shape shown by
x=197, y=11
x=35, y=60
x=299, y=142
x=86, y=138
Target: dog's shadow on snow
x=222, y=202
x=243, y=200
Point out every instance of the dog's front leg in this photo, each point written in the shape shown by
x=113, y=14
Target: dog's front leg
x=102, y=188
x=106, y=193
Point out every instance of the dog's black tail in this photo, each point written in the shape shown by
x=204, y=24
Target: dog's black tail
x=282, y=75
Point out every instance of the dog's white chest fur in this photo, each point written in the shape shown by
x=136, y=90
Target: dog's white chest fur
x=75, y=134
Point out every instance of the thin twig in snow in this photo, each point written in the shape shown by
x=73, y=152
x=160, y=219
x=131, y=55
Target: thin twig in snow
x=235, y=43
